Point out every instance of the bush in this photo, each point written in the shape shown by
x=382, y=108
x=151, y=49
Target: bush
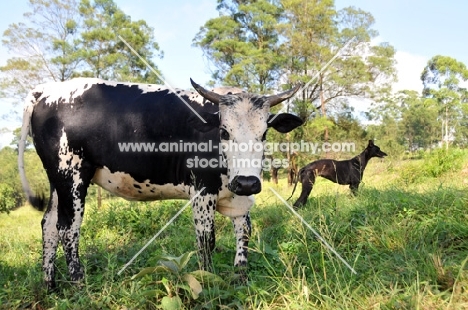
x=433, y=165
x=412, y=172
x=9, y=199
x=441, y=161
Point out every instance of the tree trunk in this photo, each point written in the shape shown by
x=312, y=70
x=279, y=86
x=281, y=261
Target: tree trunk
x=291, y=175
x=274, y=175
x=446, y=128
x=322, y=107
x=292, y=168
x=99, y=197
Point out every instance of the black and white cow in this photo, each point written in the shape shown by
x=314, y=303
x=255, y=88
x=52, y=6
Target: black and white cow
x=77, y=126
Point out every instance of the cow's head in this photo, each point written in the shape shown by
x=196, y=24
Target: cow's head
x=243, y=120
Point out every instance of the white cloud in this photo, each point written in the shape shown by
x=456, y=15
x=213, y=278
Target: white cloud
x=409, y=67
x=5, y=139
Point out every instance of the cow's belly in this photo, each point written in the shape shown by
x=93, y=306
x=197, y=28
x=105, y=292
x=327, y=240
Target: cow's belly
x=122, y=184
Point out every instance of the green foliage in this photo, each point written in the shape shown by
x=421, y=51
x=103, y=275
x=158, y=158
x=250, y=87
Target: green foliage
x=314, y=32
x=433, y=164
x=102, y=50
x=407, y=119
x=443, y=79
x=17, y=138
x=243, y=45
x=441, y=161
x=412, y=172
x=8, y=201
x=404, y=240
x=59, y=40
x=12, y=190
x=180, y=286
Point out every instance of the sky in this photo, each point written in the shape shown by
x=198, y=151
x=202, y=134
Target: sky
x=418, y=29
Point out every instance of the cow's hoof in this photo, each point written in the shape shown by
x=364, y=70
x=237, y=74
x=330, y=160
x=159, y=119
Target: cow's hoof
x=76, y=272
x=79, y=284
x=241, y=277
x=51, y=286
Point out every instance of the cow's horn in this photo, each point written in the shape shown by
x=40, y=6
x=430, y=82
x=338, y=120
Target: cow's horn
x=275, y=99
x=209, y=95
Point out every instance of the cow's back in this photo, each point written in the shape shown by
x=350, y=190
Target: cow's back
x=121, y=128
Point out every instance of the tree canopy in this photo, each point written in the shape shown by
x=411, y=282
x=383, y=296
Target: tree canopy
x=261, y=45
x=59, y=40
x=442, y=79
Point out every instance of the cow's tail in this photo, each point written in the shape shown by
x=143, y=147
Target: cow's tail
x=37, y=201
x=297, y=176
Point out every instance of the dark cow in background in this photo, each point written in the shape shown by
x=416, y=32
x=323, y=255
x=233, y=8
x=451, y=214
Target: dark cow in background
x=77, y=126
x=344, y=172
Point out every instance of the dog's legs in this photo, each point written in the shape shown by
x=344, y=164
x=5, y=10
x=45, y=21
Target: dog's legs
x=354, y=188
x=307, y=179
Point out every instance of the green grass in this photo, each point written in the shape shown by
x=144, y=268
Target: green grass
x=407, y=239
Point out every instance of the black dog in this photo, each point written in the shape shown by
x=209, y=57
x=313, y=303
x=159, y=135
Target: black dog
x=344, y=172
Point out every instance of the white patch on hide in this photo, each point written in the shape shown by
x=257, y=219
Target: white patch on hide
x=230, y=204
x=124, y=185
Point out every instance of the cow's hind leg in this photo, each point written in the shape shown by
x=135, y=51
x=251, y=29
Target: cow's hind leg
x=203, y=216
x=307, y=178
x=71, y=185
x=50, y=239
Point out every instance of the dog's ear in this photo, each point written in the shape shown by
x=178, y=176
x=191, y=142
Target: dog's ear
x=371, y=143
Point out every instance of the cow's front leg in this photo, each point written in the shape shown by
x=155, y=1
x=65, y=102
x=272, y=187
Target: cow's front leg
x=203, y=217
x=242, y=230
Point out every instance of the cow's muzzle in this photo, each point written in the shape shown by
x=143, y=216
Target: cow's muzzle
x=245, y=186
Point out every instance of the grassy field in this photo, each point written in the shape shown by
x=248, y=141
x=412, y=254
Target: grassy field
x=405, y=234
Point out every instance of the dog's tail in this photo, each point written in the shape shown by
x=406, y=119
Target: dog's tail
x=295, y=182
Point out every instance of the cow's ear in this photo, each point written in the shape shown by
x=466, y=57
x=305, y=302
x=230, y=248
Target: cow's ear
x=211, y=121
x=284, y=122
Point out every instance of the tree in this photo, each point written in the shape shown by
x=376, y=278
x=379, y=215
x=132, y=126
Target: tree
x=17, y=139
x=242, y=44
x=105, y=55
x=62, y=39
x=405, y=118
x=39, y=45
x=419, y=120
x=314, y=34
x=442, y=79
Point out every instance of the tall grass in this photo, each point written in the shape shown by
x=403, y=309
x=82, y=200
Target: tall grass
x=407, y=240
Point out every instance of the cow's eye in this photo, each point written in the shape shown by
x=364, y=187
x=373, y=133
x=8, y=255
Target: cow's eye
x=223, y=134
